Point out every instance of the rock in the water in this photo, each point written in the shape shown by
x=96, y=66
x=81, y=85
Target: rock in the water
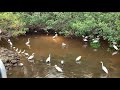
x=13, y=61
x=9, y=58
x=20, y=64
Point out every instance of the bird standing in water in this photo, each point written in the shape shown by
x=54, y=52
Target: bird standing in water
x=78, y=58
x=48, y=59
x=28, y=42
x=56, y=35
x=29, y=46
x=30, y=58
x=11, y=44
x=23, y=51
x=19, y=51
x=116, y=48
x=9, y=40
x=62, y=62
x=104, y=68
x=58, y=68
x=16, y=50
x=63, y=44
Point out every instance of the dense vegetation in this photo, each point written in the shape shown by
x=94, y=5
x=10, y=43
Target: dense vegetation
x=104, y=24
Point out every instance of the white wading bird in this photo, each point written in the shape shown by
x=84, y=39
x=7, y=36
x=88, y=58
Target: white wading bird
x=58, y=68
x=62, y=62
x=115, y=47
x=19, y=51
x=31, y=57
x=104, y=68
x=9, y=40
x=114, y=53
x=26, y=54
x=16, y=50
x=95, y=40
x=23, y=51
x=78, y=58
x=63, y=44
x=28, y=42
x=56, y=35
x=85, y=39
x=11, y=44
x=29, y=46
x=48, y=59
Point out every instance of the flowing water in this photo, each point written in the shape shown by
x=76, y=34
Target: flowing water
x=42, y=46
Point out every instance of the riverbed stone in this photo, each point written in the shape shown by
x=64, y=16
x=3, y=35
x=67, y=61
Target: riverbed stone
x=9, y=58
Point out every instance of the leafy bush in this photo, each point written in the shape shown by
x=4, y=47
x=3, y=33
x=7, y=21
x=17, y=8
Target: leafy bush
x=12, y=22
x=104, y=24
x=95, y=45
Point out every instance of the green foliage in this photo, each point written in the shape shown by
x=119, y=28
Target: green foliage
x=12, y=22
x=106, y=25
x=95, y=45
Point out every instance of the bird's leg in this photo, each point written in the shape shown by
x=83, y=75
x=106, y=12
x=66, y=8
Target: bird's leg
x=78, y=62
x=62, y=66
x=48, y=63
x=29, y=47
x=33, y=61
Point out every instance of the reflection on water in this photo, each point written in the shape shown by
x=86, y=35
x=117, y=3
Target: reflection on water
x=87, y=74
x=104, y=76
x=52, y=73
x=88, y=67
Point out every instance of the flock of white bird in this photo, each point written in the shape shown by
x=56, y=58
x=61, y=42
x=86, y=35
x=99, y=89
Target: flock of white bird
x=29, y=57
x=48, y=60
x=85, y=39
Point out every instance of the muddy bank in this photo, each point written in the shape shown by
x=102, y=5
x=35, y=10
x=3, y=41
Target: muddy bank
x=9, y=58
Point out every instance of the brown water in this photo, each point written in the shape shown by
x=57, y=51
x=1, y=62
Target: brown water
x=42, y=46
